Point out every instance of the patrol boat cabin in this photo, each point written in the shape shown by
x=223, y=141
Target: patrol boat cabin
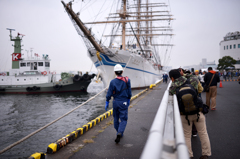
x=29, y=70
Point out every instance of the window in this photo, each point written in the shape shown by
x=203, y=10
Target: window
x=47, y=64
x=227, y=46
x=230, y=46
x=23, y=64
x=35, y=65
x=40, y=63
x=17, y=79
x=28, y=64
x=37, y=78
x=2, y=79
x=238, y=45
x=234, y=46
x=24, y=79
x=224, y=47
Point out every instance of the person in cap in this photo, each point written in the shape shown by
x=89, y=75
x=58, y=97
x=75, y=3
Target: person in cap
x=120, y=89
x=200, y=122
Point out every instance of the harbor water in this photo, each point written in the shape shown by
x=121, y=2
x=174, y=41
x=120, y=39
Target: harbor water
x=23, y=114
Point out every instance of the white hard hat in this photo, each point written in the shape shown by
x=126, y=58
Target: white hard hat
x=118, y=67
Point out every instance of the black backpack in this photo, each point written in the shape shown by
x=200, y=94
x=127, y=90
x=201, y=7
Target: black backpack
x=188, y=101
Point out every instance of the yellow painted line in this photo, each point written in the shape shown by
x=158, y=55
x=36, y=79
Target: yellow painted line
x=89, y=125
x=94, y=121
x=86, y=127
x=98, y=119
x=76, y=134
x=81, y=129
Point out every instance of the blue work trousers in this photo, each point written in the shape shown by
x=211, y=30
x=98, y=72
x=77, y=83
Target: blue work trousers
x=120, y=111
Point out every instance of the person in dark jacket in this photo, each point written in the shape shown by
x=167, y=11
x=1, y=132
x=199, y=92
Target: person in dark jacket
x=165, y=77
x=120, y=89
x=212, y=94
x=177, y=81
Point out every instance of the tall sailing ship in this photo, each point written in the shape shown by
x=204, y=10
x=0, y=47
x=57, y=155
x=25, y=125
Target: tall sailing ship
x=139, y=23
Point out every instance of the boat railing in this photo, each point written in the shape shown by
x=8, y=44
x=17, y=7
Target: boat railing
x=166, y=139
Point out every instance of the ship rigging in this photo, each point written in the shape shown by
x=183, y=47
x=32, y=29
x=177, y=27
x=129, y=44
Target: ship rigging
x=140, y=24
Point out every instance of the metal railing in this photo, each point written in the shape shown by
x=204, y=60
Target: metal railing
x=154, y=147
x=182, y=150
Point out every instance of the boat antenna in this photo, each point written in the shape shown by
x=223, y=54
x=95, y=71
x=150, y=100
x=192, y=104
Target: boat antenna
x=137, y=39
x=31, y=49
x=27, y=53
x=11, y=32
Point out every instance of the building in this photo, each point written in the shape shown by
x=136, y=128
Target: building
x=230, y=46
x=203, y=65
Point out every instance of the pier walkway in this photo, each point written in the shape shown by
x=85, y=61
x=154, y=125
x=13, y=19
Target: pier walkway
x=223, y=127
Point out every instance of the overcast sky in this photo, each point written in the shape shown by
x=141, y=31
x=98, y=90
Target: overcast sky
x=199, y=27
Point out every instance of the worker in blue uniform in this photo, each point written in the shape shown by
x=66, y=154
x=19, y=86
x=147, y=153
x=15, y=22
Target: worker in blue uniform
x=120, y=89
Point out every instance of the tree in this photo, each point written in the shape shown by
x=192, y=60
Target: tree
x=226, y=61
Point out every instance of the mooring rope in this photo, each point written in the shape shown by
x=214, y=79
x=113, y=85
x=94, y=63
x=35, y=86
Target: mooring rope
x=40, y=129
x=128, y=61
x=33, y=133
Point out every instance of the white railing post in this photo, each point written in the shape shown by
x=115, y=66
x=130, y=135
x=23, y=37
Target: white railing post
x=154, y=144
x=182, y=150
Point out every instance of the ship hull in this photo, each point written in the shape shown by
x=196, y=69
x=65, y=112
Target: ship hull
x=73, y=86
x=141, y=71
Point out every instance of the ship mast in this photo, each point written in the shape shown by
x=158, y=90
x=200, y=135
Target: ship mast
x=17, y=49
x=138, y=23
x=143, y=13
x=84, y=29
x=124, y=24
x=147, y=24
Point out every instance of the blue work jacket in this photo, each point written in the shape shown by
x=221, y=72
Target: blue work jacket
x=118, y=90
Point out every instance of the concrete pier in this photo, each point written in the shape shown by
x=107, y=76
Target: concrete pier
x=222, y=125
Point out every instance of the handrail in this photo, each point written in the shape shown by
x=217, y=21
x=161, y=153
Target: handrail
x=182, y=150
x=154, y=145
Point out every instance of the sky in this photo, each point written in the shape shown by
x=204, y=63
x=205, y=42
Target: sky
x=199, y=26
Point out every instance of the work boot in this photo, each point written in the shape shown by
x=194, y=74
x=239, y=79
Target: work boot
x=117, y=140
x=204, y=157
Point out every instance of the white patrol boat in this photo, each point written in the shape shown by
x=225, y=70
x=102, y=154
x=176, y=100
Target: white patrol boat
x=32, y=75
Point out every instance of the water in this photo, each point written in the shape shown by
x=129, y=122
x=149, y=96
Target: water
x=21, y=115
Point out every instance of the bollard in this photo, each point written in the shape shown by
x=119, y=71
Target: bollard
x=37, y=155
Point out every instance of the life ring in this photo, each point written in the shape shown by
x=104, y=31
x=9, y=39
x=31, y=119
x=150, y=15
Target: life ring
x=44, y=72
x=3, y=74
x=76, y=78
x=86, y=77
x=34, y=88
x=28, y=89
x=57, y=87
x=3, y=89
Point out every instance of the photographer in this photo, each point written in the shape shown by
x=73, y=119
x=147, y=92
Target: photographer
x=193, y=116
